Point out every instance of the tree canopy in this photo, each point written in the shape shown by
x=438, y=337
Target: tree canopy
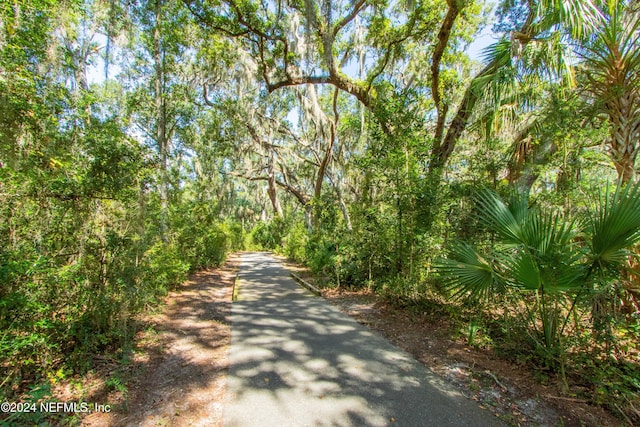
x=143, y=140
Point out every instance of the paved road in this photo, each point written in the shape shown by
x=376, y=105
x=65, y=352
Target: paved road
x=296, y=360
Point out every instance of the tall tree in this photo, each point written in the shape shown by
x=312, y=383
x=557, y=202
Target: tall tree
x=612, y=69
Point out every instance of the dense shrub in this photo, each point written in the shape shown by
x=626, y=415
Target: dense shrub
x=295, y=242
x=269, y=235
x=77, y=272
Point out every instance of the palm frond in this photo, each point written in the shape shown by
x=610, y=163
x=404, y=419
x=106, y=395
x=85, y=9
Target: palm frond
x=519, y=206
x=614, y=52
x=553, y=56
x=502, y=219
x=465, y=272
x=569, y=276
x=547, y=233
x=557, y=270
x=523, y=270
x=541, y=252
x=615, y=226
x=498, y=53
x=582, y=17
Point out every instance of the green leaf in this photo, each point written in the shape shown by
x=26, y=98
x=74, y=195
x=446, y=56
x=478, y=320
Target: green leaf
x=523, y=271
x=466, y=272
x=615, y=227
x=500, y=218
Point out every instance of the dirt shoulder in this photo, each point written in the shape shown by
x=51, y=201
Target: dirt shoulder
x=178, y=374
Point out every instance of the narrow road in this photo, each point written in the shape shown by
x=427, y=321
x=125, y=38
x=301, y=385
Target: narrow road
x=296, y=360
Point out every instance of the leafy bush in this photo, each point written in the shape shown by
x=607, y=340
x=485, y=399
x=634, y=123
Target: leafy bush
x=269, y=235
x=236, y=235
x=295, y=242
x=164, y=267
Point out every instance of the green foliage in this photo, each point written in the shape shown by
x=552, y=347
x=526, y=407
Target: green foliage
x=295, y=244
x=614, y=228
x=466, y=271
x=540, y=251
x=270, y=235
x=354, y=258
x=236, y=235
x=201, y=240
x=164, y=267
x=111, y=194
x=543, y=252
x=283, y=235
x=321, y=256
x=615, y=383
x=37, y=394
x=115, y=382
x=80, y=247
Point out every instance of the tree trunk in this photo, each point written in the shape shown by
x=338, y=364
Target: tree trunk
x=329, y=151
x=442, y=150
x=343, y=205
x=625, y=133
x=443, y=40
x=161, y=118
x=271, y=189
x=527, y=159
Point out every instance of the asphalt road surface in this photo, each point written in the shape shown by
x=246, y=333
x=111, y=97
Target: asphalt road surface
x=296, y=360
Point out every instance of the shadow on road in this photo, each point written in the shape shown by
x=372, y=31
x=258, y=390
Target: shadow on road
x=296, y=360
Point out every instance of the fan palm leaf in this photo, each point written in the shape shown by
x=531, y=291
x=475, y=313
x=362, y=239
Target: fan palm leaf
x=547, y=233
x=539, y=251
x=536, y=250
x=614, y=227
x=523, y=270
x=505, y=220
x=465, y=272
x=548, y=259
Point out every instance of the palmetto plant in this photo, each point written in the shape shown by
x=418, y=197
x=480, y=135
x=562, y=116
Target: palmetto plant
x=558, y=258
